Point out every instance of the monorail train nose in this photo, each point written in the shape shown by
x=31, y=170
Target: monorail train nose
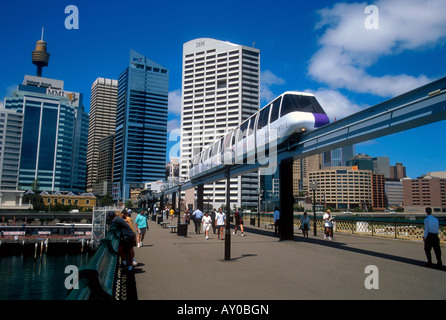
x=320, y=120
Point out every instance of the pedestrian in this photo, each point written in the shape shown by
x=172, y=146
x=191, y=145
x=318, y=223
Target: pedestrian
x=141, y=227
x=213, y=213
x=127, y=217
x=125, y=249
x=238, y=223
x=431, y=240
x=328, y=225
x=186, y=217
x=220, y=220
x=276, y=217
x=172, y=213
x=197, y=216
x=207, y=222
x=305, y=223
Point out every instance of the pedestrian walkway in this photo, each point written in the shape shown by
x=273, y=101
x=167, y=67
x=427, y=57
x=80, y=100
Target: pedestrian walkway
x=263, y=268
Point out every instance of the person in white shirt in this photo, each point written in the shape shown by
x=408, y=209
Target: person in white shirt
x=431, y=240
x=328, y=225
x=207, y=222
x=220, y=219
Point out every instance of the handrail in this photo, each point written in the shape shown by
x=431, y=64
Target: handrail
x=389, y=227
x=97, y=279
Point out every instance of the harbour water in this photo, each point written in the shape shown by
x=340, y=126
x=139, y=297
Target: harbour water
x=23, y=277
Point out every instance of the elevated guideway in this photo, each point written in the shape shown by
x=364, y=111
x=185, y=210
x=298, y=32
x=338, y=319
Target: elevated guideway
x=421, y=106
x=424, y=105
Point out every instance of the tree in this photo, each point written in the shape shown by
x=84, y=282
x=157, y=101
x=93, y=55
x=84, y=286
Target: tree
x=35, y=186
x=106, y=201
x=129, y=204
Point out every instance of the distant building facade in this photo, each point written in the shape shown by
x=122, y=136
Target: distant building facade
x=54, y=137
x=425, y=192
x=141, y=125
x=221, y=89
x=343, y=188
x=102, y=125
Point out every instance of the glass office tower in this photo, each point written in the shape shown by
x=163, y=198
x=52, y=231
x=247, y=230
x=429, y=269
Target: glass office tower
x=141, y=125
x=54, y=139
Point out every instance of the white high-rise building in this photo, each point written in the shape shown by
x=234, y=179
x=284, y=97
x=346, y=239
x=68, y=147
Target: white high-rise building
x=221, y=88
x=104, y=95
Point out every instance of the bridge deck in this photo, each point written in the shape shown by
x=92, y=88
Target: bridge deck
x=263, y=268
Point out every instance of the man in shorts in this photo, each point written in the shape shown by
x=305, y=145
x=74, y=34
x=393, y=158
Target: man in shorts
x=141, y=227
x=238, y=223
x=220, y=219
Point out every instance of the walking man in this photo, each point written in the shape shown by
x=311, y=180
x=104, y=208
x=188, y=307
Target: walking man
x=431, y=240
x=276, y=217
x=197, y=216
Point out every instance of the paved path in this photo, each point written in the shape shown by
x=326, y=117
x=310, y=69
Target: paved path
x=263, y=268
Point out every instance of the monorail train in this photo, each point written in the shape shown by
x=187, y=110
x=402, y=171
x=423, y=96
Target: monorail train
x=289, y=115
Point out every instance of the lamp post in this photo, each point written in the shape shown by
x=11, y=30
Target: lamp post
x=259, y=193
x=179, y=204
x=162, y=189
x=313, y=186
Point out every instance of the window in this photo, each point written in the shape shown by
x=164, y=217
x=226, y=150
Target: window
x=221, y=84
x=275, y=110
x=292, y=102
x=263, y=118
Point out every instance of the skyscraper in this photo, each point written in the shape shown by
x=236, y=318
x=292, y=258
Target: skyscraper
x=54, y=139
x=11, y=126
x=220, y=89
x=141, y=125
x=398, y=171
x=104, y=93
x=338, y=157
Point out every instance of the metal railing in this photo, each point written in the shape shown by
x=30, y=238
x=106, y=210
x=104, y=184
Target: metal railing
x=371, y=226
x=97, y=279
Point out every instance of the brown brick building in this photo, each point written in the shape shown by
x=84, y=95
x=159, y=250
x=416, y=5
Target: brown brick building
x=424, y=192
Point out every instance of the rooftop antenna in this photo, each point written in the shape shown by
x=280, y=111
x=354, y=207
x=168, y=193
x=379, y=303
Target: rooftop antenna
x=40, y=57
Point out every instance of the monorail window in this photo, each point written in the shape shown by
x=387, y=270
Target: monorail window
x=301, y=103
x=242, y=131
x=263, y=118
x=275, y=110
x=252, y=124
x=215, y=148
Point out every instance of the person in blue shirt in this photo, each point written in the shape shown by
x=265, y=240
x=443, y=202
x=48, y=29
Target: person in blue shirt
x=276, y=216
x=141, y=227
x=197, y=216
x=431, y=240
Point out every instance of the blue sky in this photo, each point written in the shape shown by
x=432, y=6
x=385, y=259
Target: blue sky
x=318, y=46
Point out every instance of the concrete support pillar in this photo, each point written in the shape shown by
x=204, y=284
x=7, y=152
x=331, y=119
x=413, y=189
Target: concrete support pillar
x=200, y=191
x=174, y=201
x=286, y=200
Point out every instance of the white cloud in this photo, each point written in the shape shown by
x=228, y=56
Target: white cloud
x=348, y=48
x=335, y=104
x=174, y=102
x=268, y=79
x=173, y=124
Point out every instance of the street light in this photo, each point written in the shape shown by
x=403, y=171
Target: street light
x=162, y=189
x=313, y=186
x=259, y=193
